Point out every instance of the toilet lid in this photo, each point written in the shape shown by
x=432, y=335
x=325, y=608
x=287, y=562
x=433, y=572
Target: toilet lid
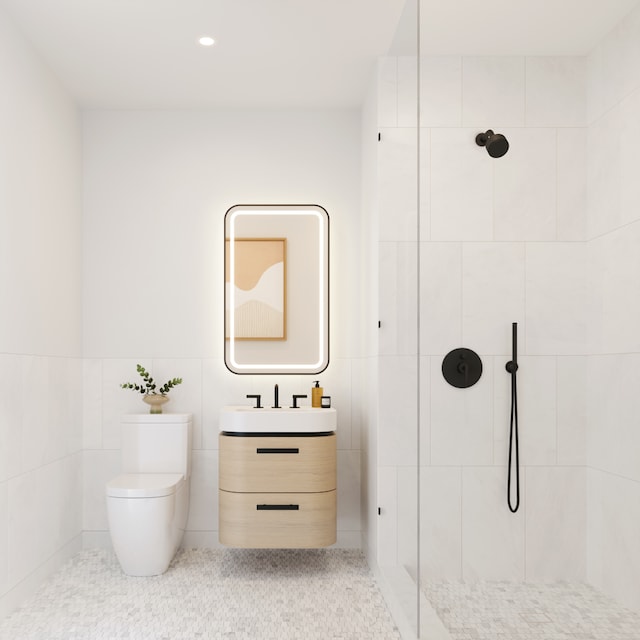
x=144, y=485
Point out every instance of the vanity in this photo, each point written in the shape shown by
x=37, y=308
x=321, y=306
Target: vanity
x=277, y=477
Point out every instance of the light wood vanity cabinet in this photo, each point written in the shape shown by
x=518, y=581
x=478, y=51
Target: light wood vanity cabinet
x=277, y=491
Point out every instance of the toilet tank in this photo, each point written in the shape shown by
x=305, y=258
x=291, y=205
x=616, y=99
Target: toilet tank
x=156, y=443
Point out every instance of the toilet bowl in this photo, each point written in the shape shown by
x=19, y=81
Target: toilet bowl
x=148, y=505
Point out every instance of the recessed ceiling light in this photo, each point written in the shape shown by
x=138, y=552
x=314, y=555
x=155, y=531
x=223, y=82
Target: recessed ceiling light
x=206, y=41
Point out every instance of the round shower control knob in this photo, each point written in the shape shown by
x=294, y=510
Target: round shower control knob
x=462, y=368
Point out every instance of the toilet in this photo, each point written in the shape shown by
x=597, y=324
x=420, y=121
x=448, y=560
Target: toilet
x=148, y=505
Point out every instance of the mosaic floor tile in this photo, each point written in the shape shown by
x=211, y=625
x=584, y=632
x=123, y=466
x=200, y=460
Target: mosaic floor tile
x=530, y=611
x=230, y=594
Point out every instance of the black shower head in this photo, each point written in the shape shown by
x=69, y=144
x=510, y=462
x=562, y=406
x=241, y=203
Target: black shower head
x=496, y=144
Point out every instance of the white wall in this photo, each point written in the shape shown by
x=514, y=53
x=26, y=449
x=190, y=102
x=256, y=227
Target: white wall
x=614, y=339
x=40, y=323
x=502, y=240
x=156, y=187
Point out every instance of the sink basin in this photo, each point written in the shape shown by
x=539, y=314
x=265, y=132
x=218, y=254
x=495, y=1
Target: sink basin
x=243, y=419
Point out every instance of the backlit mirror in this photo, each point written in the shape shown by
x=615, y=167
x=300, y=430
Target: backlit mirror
x=276, y=289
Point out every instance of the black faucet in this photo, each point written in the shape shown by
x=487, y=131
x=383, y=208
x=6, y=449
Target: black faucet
x=296, y=397
x=275, y=398
x=257, y=398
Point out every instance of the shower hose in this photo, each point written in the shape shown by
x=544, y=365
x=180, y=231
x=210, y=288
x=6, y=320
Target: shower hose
x=514, y=456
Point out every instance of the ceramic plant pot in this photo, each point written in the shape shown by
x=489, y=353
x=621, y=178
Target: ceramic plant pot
x=155, y=402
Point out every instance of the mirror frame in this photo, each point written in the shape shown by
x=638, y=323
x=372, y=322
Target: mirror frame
x=252, y=368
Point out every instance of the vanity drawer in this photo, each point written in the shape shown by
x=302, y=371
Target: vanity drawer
x=277, y=463
x=277, y=520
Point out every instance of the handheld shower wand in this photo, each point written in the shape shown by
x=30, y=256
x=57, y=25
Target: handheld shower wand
x=512, y=368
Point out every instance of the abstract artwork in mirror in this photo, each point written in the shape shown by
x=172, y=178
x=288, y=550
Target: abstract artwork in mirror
x=276, y=289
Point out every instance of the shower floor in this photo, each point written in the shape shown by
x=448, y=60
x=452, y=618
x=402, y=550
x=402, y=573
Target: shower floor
x=235, y=594
x=529, y=611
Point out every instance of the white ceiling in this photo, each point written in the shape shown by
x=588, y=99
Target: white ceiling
x=281, y=53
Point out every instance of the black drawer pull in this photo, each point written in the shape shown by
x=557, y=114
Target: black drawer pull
x=277, y=450
x=277, y=507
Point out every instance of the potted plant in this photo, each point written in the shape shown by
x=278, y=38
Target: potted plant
x=153, y=395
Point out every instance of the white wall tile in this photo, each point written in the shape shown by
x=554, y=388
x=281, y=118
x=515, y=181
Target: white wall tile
x=388, y=92
x=461, y=187
x=36, y=438
x=203, y=501
x=387, y=521
x=441, y=523
x=556, y=91
x=572, y=184
x=556, y=298
x=493, y=92
x=525, y=186
x=492, y=294
x=556, y=520
x=408, y=519
x=441, y=91
x=11, y=411
x=595, y=92
x=572, y=410
x=603, y=174
x=407, y=91
x=461, y=419
x=397, y=183
x=92, y=403
x=397, y=298
x=349, y=515
x=336, y=382
x=4, y=517
x=397, y=411
x=424, y=394
x=97, y=469
x=629, y=143
x=440, y=296
x=619, y=290
x=493, y=547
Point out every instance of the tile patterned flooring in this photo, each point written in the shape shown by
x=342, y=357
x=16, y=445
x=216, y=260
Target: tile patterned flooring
x=235, y=594
x=530, y=611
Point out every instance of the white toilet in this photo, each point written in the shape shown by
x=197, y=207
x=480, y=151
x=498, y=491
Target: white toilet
x=148, y=504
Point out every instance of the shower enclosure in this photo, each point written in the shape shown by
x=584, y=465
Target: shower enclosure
x=464, y=243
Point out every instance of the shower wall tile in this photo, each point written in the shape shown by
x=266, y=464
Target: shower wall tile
x=407, y=91
x=461, y=187
x=556, y=91
x=441, y=91
x=555, y=505
x=595, y=90
x=387, y=92
x=461, y=419
x=35, y=434
x=619, y=290
x=525, y=186
x=440, y=296
x=397, y=298
x=425, y=408
x=614, y=505
x=572, y=410
x=397, y=154
x=621, y=59
x=441, y=523
x=572, y=184
x=603, y=175
x=556, y=294
x=387, y=521
x=407, y=479
x=493, y=92
x=4, y=516
x=493, y=548
x=397, y=412
x=349, y=490
x=492, y=294
x=629, y=144
x=92, y=403
x=11, y=411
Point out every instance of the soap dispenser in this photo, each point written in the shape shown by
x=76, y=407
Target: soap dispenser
x=316, y=394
